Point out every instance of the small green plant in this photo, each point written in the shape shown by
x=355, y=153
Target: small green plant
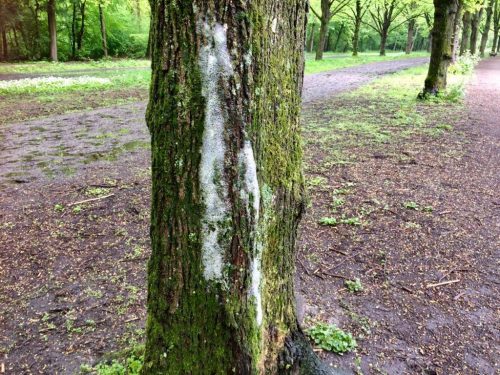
x=464, y=64
x=331, y=338
x=317, y=181
x=428, y=209
x=354, y=286
x=337, y=203
x=411, y=205
x=59, y=208
x=77, y=209
x=97, y=191
x=329, y=221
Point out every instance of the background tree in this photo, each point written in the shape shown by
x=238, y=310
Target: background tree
x=329, y=8
x=445, y=12
x=487, y=27
x=496, y=27
x=357, y=12
x=383, y=14
x=51, y=17
x=227, y=188
x=102, y=22
x=474, y=33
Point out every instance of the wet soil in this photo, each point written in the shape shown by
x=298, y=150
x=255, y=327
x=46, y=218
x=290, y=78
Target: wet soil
x=74, y=223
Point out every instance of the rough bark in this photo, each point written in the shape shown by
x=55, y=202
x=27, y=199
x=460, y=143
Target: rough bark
x=310, y=43
x=323, y=29
x=466, y=25
x=474, y=33
x=5, y=45
x=227, y=189
x=411, y=36
x=51, y=16
x=358, y=17
x=383, y=42
x=455, y=40
x=79, y=39
x=445, y=12
x=487, y=27
x=103, y=31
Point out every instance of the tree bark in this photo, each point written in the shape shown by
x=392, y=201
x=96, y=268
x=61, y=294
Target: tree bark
x=487, y=27
x=103, y=31
x=411, y=36
x=51, y=16
x=357, y=27
x=310, y=43
x=475, y=22
x=442, y=32
x=5, y=45
x=455, y=40
x=383, y=42
x=323, y=30
x=73, y=32
x=79, y=40
x=466, y=25
x=227, y=189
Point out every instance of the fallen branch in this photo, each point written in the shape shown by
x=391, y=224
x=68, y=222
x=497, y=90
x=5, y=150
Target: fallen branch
x=90, y=200
x=441, y=284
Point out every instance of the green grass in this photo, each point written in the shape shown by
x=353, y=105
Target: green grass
x=332, y=61
x=52, y=67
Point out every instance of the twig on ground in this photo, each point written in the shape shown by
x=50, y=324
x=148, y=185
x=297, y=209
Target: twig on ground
x=90, y=200
x=441, y=284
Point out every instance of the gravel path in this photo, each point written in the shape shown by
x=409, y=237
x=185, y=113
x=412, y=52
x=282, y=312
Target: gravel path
x=63, y=144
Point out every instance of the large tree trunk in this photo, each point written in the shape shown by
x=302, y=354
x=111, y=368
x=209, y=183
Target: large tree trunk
x=103, y=31
x=475, y=21
x=227, y=188
x=466, y=24
x=442, y=32
x=355, y=38
x=51, y=16
x=487, y=27
x=323, y=30
x=310, y=43
x=411, y=36
x=383, y=42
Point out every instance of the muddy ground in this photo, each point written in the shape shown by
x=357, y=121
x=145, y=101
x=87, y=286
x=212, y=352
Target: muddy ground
x=74, y=216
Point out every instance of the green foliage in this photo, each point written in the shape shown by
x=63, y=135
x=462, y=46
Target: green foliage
x=354, y=286
x=465, y=64
x=128, y=362
x=331, y=338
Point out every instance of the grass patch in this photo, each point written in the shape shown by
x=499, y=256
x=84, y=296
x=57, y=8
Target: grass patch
x=57, y=67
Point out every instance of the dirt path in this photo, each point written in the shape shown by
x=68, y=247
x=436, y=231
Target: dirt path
x=72, y=274
x=61, y=145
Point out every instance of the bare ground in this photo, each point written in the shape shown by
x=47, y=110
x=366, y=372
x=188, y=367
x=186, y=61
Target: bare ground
x=73, y=274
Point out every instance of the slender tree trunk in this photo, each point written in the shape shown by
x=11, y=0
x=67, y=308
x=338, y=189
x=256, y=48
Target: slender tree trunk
x=475, y=21
x=79, y=40
x=341, y=30
x=495, y=41
x=51, y=16
x=227, y=188
x=455, y=39
x=73, y=32
x=411, y=36
x=442, y=32
x=103, y=31
x=323, y=30
x=466, y=24
x=5, y=45
x=487, y=27
x=357, y=28
x=383, y=42
x=310, y=43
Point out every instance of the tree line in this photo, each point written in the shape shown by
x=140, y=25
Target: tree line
x=355, y=25
x=73, y=29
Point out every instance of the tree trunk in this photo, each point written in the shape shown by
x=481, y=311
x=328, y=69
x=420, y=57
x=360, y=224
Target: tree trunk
x=73, y=32
x=442, y=32
x=411, y=34
x=103, y=31
x=341, y=30
x=51, y=16
x=455, y=39
x=5, y=46
x=323, y=30
x=495, y=42
x=79, y=40
x=383, y=42
x=227, y=188
x=357, y=28
x=487, y=27
x=475, y=21
x=310, y=43
x=466, y=23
